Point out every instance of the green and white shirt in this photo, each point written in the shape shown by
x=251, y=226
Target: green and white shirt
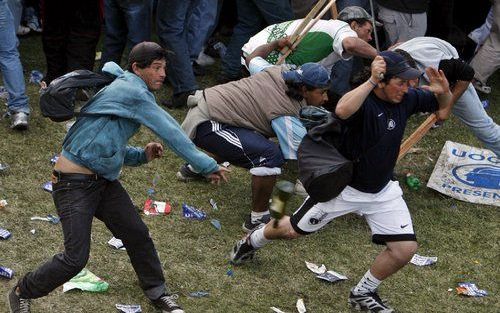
x=322, y=42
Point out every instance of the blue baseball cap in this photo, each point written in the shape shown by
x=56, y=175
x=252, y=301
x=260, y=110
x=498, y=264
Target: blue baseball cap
x=311, y=74
x=397, y=66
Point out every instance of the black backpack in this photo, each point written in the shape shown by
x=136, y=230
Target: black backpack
x=323, y=170
x=57, y=101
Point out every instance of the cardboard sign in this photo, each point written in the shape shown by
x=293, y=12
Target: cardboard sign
x=468, y=174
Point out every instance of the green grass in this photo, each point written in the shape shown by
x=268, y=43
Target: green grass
x=463, y=236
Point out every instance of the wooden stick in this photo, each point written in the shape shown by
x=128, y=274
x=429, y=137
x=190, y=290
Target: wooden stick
x=303, y=24
x=417, y=135
x=304, y=32
x=334, y=12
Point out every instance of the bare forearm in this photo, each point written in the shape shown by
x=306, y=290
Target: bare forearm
x=263, y=51
x=352, y=101
x=458, y=90
x=445, y=101
x=358, y=47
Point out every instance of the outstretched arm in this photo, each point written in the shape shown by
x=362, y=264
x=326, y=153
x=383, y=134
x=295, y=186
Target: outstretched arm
x=359, y=47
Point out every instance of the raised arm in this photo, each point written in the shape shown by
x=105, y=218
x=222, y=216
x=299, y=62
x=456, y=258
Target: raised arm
x=352, y=101
x=441, y=89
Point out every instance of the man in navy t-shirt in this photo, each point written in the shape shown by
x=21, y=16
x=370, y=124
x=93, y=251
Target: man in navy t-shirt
x=375, y=114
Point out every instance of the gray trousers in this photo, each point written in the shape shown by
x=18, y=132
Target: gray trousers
x=400, y=26
x=487, y=59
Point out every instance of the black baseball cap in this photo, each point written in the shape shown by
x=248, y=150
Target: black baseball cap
x=397, y=66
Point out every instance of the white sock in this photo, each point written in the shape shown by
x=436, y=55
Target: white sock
x=256, y=216
x=257, y=239
x=368, y=283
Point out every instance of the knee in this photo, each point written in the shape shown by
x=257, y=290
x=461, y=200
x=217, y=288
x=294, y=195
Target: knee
x=75, y=263
x=404, y=251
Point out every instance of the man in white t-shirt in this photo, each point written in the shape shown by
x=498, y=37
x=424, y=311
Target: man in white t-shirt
x=437, y=53
x=326, y=42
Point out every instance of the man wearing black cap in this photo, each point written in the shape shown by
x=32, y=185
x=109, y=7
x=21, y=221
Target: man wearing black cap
x=375, y=116
x=233, y=122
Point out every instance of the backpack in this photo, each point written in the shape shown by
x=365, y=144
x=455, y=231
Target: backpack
x=57, y=101
x=323, y=170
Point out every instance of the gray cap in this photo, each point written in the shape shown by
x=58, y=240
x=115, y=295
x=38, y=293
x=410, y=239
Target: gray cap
x=354, y=12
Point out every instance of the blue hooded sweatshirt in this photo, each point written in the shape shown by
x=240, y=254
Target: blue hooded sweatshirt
x=100, y=143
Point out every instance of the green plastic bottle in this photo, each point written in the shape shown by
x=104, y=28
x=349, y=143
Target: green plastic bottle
x=284, y=190
x=412, y=181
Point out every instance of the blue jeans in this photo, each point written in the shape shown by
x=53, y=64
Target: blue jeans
x=200, y=26
x=78, y=200
x=253, y=15
x=173, y=18
x=10, y=65
x=342, y=71
x=127, y=23
x=16, y=8
x=469, y=110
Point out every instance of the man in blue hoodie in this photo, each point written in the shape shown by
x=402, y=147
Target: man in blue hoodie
x=85, y=178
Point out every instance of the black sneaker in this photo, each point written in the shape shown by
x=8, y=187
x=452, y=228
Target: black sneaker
x=18, y=304
x=243, y=251
x=167, y=304
x=186, y=175
x=369, y=302
x=249, y=226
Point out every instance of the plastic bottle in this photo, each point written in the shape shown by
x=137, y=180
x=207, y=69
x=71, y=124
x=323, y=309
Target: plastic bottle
x=412, y=181
x=284, y=192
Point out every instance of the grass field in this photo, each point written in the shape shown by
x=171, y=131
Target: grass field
x=464, y=236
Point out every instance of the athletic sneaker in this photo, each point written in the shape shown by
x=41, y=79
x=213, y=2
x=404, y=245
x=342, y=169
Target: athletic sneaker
x=18, y=304
x=185, y=174
x=19, y=121
x=167, y=304
x=249, y=226
x=481, y=87
x=243, y=251
x=369, y=302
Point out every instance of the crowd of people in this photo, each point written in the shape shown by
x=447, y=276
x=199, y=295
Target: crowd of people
x=371, y=89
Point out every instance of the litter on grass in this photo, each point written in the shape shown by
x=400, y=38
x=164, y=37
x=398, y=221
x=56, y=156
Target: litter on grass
x=33, y=231
x=152, y=207
x=4, y=94
x=315, y=268
x=53, y=159
x=47, y=186
x=420, y=260
x=116, y=243
x=331, y=276
x=470, y=289
x=301, y=307
x=128, y=308
x=3, y=203
x=213, y=204
x=50, y=218
x=190, y=212
x=6, y=272
x=199, y=294
x=276, y=310
x=4, y=233
x=216, y=224
x=86, y=281
x=3, y=167
x=322, y=273
x=230, y=272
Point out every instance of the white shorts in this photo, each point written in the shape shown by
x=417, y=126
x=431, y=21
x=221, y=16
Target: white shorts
x=386, y=213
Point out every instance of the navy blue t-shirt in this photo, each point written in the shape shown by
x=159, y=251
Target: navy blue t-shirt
x=374, y=135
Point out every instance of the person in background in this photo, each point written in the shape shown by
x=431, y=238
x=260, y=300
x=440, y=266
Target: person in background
x=12, y=70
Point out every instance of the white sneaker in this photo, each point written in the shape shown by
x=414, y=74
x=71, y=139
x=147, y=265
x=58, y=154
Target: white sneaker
x=19, y=121
x=22, y=30
x=204, y=59
x=34, y=26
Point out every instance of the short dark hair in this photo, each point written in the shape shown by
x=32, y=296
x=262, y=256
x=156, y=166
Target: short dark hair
x=360, y=21
x=294, y=89
x=145, y=53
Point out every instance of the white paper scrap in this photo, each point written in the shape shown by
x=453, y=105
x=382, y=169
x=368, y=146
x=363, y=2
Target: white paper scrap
x=420, y=260
x=315, y=268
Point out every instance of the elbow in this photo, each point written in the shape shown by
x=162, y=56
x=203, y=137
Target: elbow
x=341, y=112
x=349, y=44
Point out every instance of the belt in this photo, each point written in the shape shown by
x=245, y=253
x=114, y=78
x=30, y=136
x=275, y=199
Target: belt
x=75, y=176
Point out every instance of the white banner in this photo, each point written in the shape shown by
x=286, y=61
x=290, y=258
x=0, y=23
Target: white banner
x=468, y=174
